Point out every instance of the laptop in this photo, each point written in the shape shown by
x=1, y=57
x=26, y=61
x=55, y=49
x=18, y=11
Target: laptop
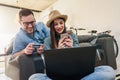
x=69, y=63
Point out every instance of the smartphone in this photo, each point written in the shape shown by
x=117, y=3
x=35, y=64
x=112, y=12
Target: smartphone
x=36, y=46
x=65, y=34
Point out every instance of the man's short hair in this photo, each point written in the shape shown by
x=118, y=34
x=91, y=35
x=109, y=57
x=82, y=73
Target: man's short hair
x=25, y=12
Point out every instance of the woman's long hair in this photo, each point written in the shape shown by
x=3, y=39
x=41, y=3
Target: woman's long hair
x=54, y=35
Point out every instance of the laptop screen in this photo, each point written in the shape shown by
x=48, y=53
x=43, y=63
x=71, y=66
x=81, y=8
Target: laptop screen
x=70, y=63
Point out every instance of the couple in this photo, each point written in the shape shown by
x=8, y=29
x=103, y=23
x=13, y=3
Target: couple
x=31, y=33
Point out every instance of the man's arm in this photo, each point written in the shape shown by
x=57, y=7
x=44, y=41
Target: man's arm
x=19, y=53
x=28, y=50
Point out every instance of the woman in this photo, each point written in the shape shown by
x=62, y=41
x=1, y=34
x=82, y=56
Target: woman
x=59, y=38
x=56, y=23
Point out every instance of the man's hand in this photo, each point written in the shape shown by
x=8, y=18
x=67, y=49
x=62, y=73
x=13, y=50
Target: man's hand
x=29, y=49
x=40, y=49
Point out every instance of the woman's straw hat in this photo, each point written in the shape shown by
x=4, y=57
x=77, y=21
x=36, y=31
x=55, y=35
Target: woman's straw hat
x=54, y=15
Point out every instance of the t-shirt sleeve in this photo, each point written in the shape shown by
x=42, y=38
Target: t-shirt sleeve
x=75, y=41
x=18, y=45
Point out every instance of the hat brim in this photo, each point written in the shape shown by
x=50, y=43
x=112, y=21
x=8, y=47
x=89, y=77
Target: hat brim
x=61, y=16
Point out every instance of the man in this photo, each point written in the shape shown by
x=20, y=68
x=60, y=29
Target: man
x=30, y=34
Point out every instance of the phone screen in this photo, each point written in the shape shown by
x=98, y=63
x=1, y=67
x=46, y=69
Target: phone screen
x=65, y=34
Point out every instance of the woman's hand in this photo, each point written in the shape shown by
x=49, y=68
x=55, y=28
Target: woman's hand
x=66, y=41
